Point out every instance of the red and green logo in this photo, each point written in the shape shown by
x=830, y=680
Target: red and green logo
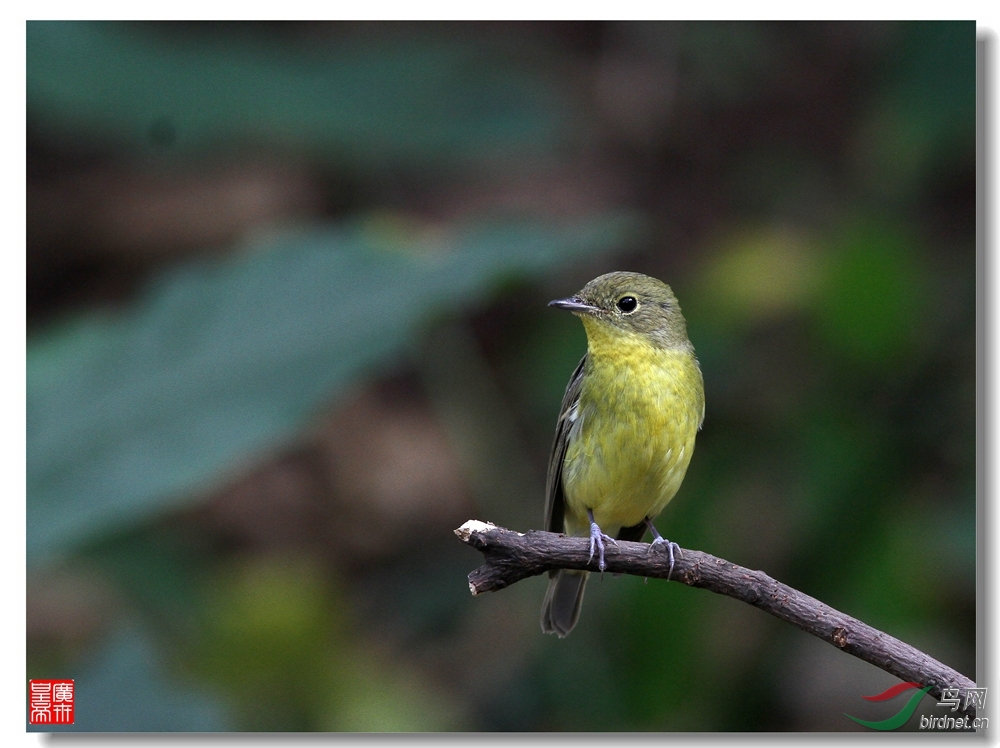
x=899, y=719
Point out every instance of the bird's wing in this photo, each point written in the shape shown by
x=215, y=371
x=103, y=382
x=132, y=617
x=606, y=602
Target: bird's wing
x=634, y=533
x=555, y=500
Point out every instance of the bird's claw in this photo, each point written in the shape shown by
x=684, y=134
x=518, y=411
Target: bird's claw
x=670, y=551
x=597, y=540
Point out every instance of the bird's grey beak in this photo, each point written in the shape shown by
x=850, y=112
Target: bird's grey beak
x=574, y=304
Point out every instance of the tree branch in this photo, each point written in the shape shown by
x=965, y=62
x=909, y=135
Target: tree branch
x=511, y=557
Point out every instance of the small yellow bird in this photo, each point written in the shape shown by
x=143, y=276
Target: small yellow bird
x=626, y=427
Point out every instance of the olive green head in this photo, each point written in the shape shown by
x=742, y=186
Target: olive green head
x=632, y=303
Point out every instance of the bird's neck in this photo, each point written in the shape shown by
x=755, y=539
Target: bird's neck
x=606, y=344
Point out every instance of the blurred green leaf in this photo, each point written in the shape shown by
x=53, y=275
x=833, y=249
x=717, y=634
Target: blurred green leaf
x=541, y=364
x=898, y=585
x=375, y=694
x=927, y=115
x=365, y=100
x=269, y=639
x=729, y=61
x=217, y=361
x=757, y=275
x=158, y=567
x=651, y=618
x=278, y=640
x=876, y=293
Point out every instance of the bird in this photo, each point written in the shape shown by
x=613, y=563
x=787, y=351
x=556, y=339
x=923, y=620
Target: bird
x=626, y=428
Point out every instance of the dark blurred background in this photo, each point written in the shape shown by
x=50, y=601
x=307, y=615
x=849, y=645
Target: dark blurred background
x=287, y=329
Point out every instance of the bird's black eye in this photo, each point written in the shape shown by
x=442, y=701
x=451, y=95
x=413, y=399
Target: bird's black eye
x=627, y=304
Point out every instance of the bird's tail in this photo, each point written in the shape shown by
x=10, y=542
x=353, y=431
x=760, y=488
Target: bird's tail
x=561, y=607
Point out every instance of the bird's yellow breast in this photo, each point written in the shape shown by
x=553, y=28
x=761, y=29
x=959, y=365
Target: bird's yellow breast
x=633, y=431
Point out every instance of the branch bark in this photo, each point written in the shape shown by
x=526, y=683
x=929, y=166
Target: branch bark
x=511, y=556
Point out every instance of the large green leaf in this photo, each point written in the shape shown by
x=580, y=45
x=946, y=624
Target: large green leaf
x=364, y=100
x=219, y=360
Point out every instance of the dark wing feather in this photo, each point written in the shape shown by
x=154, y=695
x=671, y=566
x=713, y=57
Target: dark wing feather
x=555, y=500
x=635, y=533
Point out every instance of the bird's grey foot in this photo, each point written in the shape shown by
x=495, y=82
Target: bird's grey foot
x=597, y=540
x=660, y=540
